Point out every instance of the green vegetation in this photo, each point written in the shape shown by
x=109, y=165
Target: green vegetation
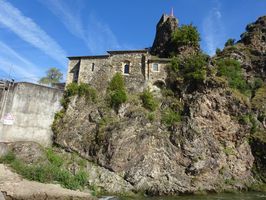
x=195, y=68
x=192, y=69
x=53, y=75
x=48, y=172
x=244, y=119
x=148, y=100
x=229, y=151
x=259, y=100
x=82, y=89
x=170, y=117
x=218, y=51
x=73, y=89
x=229, y=42
x=186, y=35
x=151, y=116
x=117, y=91
x=231, y=70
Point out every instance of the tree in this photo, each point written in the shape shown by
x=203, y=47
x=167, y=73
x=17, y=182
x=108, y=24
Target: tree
x=117, y=91
x=186, y=35
x=53, y=75
x=229, y=42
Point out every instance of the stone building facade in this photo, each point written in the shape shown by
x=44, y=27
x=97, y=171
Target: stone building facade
x=141, y=68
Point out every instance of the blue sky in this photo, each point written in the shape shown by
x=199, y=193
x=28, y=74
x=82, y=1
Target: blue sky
x=38, y=34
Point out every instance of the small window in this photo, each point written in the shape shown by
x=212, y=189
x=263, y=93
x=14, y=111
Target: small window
x=92, y=66
x=155, y=67
x=126, y=69
x=76, y=76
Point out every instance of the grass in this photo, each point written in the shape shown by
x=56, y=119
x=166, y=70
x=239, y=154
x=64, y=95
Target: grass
x=170, y=117
x=48, y=172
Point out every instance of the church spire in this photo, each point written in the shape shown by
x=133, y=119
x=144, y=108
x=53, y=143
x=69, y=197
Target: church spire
x=172, y=12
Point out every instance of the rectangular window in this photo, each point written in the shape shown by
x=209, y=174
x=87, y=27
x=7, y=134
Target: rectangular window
x=126, y=69
x=155, y=67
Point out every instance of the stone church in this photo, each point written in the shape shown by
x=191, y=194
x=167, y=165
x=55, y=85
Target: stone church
x=141, y=68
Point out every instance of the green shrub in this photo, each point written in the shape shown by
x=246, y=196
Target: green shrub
x=59, y=115
x=175, y=64
x=186, y=35
x=259, y=100
x=231, y=69
x=170, y=117
x=117, y=91
x=148, y=100
x=218, y=51
x=82, y=89
x=229, y=42
x=117, y=98
x=191, y=69
x=257, y=83
x=244, y=119
x=194, y=68
x=117, y=82
x=151, y=116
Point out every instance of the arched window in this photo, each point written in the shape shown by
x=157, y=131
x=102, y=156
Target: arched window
x=126, y=67
x=92, y=67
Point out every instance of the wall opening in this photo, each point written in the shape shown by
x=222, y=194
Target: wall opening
x=155, y=67
x=126, y=69
x=92, y=67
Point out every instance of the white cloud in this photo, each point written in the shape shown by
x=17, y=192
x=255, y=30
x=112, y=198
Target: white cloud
x=29, y=31
x=96, y=35
x=213, y=29
x=15, y=65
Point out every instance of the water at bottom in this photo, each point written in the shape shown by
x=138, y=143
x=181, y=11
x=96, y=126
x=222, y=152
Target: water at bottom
x=239, y=196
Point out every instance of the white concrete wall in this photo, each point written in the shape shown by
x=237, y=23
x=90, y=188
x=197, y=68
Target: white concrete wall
x=33, y=107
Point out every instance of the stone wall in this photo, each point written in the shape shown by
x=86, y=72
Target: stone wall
x=33, y=108
x=99, y=70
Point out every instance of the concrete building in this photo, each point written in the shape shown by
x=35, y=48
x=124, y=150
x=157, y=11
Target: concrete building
x=27, y=112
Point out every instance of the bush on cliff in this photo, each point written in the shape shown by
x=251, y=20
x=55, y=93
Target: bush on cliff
x=191, y=70
x=186, y=35
x=229, y=42
x=170, y=117
x=148, y=100
x=117, y=91
x=195, y=68
x=82, y=89
x=231, y=70
x=259, y=100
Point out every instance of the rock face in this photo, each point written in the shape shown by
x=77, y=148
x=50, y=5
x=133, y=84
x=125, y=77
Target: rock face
x=162, y=42
x=209, y=149
x=255, y=37
x=250, y=51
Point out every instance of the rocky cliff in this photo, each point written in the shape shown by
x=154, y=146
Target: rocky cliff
x=206, y=135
